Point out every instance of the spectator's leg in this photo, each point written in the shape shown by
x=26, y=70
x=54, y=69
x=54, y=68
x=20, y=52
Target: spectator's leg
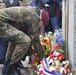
x=52, y=22
x=55, y=23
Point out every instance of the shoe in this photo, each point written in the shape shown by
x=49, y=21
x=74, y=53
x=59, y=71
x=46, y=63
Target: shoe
x=15, y=72
x=12, y=70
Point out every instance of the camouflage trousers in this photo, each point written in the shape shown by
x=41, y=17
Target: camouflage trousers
x=19, y=41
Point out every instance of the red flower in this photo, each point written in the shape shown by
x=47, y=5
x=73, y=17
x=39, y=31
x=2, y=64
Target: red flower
x=57, y=47
x=51, y=56
x=60, y=57
x=51, y=52
x=37, y=70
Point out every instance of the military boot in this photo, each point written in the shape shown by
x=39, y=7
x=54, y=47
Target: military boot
x=12, y=70
x=5, y=65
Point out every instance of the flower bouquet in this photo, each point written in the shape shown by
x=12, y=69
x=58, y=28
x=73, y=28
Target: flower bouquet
x=55, y=62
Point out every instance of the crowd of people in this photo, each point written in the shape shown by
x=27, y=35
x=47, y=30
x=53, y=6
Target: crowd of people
x=51, y=13
x=53, y=7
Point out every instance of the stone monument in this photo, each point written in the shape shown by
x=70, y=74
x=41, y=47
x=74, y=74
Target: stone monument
x=71, y=32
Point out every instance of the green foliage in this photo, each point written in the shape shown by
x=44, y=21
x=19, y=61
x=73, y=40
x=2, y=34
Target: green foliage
x=34, y=73
x=63, y=49
x=46, y=53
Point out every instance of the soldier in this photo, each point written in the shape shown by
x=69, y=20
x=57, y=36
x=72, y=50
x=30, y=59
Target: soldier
x=20, y=26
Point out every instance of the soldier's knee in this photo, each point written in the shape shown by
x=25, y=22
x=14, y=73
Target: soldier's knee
x=27, y=40
x=22, y=38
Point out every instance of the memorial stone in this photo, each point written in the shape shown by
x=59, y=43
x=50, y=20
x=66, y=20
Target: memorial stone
x=72, y=34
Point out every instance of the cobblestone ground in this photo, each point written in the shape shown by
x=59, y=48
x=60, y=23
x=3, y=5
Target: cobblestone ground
x=28, y=71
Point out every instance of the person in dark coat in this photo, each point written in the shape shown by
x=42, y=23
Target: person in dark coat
x=11, y=3
x=53, y=13
x=37, y=3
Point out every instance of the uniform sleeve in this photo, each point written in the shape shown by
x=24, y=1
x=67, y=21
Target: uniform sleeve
x=38, y=49
x=33, y=32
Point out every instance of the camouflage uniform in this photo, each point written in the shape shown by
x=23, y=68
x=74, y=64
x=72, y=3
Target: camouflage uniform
x=19, y=25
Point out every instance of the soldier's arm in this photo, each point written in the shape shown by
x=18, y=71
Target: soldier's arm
x=38, y=48
x=33, y=32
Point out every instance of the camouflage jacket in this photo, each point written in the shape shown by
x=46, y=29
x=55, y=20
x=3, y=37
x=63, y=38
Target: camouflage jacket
x=25, y=19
